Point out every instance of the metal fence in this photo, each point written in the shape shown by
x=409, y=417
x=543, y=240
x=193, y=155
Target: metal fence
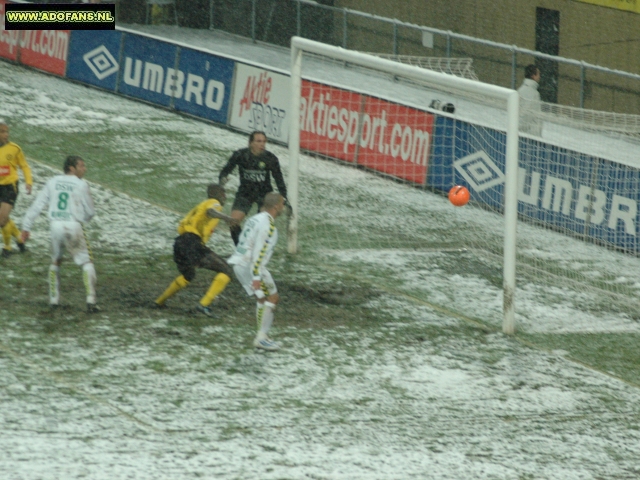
x=565, y=81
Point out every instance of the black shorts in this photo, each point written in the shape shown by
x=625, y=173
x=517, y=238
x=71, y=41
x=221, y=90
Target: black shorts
x=9, y=193
x=190, y=253
x=244, y=202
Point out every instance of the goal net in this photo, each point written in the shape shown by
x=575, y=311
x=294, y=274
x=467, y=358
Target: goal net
x=611, y=124
x=398, y=137
x=371, y=113
x=460, y=67
x=579, y=175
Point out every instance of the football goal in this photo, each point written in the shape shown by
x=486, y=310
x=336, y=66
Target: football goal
x=373, y=113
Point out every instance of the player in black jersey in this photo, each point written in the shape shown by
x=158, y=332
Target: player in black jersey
x=256, y=165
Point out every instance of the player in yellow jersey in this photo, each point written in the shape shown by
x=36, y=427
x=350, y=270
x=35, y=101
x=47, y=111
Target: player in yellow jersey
x=190, y=249
x=11, y=158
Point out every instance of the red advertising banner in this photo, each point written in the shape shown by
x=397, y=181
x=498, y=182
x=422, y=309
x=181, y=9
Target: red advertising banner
x=375, y=133
x=8, y=39
x=396, y=140
x=42, y=49
x=329, y=120
x=45, y=50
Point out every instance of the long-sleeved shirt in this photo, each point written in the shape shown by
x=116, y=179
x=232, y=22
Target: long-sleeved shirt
x=257, y=241
x=255, y=173
x=12, y=158
x=66, y=197
x=530, y=107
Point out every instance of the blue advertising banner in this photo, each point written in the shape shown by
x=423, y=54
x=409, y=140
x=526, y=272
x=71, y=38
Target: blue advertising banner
x=203, y=85
x=93, y=57
x=579, y=194
x=148, y=70
x=159, y=72
x=464, y=154
x=569, y=191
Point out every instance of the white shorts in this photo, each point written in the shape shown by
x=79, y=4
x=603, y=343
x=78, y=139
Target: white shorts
x=69, y=236
x=245, y=277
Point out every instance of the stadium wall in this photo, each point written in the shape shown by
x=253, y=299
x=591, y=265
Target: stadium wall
x=420, y=146
x=599, y=32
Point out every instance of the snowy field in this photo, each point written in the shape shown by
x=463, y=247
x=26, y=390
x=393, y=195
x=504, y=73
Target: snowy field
x=416, y=382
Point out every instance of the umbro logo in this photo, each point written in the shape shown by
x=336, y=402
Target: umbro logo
x=479, y=171
x=101, y=62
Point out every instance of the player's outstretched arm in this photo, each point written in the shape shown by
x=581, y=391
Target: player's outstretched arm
x=213, y=213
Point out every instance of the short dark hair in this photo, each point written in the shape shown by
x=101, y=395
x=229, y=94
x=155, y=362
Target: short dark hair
x=215, y=190
x=71, y=161
x=530, y=71
x=253, y=134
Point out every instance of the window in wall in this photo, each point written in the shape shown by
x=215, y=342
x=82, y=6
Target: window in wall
x=548, y=41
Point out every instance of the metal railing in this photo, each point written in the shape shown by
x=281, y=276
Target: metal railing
x=565, y=81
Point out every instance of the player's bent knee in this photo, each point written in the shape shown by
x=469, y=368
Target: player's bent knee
x=228, y=271
x=189, y=275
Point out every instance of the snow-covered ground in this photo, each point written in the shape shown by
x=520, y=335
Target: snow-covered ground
x=334, y=403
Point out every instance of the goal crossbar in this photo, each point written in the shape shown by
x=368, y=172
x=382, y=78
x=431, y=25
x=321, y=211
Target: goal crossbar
x=442, y=80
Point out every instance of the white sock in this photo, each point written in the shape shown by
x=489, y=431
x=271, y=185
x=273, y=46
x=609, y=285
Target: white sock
x=54, y=284
x=90, y=280
x=267, y=317
x=259, y=315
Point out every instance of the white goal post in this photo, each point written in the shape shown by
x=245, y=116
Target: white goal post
x=441, y=81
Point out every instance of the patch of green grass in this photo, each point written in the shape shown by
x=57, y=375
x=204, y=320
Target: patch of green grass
x=139, y=161
x=613, y=353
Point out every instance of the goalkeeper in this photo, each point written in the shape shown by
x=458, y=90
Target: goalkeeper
x=190, y=250
x=255, y=165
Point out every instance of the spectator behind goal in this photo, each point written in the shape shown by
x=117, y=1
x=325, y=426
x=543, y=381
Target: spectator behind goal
x=530, y=121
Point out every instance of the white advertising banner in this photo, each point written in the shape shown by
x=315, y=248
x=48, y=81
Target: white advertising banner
x=261, y=102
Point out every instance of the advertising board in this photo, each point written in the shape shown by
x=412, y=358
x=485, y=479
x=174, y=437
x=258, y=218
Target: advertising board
x=261, y=102
x=562, y=189
x=42, y=49
x=93, y=57
x=364, y=130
